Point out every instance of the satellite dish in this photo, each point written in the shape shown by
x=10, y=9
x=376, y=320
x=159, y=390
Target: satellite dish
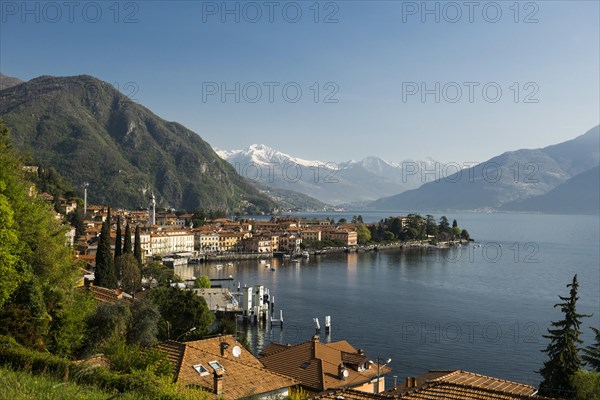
x=345, y=373
x=236, y=351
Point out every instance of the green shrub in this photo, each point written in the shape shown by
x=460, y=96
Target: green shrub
x=148, y=376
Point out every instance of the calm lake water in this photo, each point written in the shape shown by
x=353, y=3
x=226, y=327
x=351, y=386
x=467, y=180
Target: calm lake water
x=480, y=309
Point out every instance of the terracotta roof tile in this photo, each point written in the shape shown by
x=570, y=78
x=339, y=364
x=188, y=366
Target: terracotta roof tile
x=273, y=348
x=445, y=385
x=105, y=295
x=350, y=394
x=243, y=376
x=460, y=384
x=315, y=364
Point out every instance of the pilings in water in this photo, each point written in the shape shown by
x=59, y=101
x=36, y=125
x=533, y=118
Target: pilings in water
x=278, y=320
x=327, y=325
x=257, y=306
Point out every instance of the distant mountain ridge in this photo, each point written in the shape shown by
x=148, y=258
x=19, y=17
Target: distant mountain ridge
x=578, y=195
x=329, y=182
x=508, y=178
x=90, y=132
x=8, y=81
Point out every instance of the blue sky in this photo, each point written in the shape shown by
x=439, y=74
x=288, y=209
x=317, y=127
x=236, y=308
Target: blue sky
x=370, y=56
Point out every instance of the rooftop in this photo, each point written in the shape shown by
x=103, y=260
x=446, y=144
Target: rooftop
x=243, y=376
x=460, y=384
x=445, y=385
x=316, y=365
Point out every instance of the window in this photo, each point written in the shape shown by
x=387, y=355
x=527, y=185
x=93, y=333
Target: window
x=215, y=365
x=201, y=369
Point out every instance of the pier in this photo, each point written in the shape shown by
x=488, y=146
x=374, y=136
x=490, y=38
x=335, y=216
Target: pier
x=251, y=304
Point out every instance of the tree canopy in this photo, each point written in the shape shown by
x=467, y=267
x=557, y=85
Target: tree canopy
x=37, y=270
x=562, y=350
x=131, y=276
x=363, y=234
x=104, y=273
x=591, y=354
x=127, y=248
x=202, y=282
x=137, y=246
x=180, y=311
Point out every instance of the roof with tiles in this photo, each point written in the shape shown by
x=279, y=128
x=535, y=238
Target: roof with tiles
x=315, y=364
x=445, y=385
x=274, y=348
x=350, y=394
x=105, y=295
x=486, y=382
x=243, y=376
x=460, y=384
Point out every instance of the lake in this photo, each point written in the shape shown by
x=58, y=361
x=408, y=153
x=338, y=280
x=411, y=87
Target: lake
x=482, y=309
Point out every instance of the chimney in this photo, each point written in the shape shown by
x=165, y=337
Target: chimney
x=224, y=346
x=218, y=381
x=408, y=382
x=342, y=372
x=414, y=382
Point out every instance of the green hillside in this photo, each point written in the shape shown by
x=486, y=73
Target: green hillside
x=90, y=132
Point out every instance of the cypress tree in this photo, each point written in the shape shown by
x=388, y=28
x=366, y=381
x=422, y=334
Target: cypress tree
x=563, y=353
x=591, y=354
x=127, y=241
x=137, y=246
x=118, y=241
x=104, y=274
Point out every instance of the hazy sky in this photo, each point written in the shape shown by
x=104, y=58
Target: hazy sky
x=361, y=66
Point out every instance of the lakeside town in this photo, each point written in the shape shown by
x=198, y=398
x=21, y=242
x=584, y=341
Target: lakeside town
x=104, y=311
x=222, y=366
x=299, y=200
x=175, y=234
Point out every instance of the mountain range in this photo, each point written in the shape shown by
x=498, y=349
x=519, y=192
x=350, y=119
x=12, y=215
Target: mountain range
x=90, y=132
x=522, y=180
x=333, y=183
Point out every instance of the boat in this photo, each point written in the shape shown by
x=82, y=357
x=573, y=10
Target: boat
x=262, y=262
x=295, y=260
x=286, y=256
x=230, y=264
x=305, y=254
x=219, y=266
x=267, y=265
x=273, y=269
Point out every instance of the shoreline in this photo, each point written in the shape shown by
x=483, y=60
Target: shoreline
x=422, y=244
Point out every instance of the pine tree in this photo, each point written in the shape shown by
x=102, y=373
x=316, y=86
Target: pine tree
x=591, y=354
x=563, y=353
x=127, y=241
x=444, y=225
x=118, y=241
x=137, y=246
x=105, y=267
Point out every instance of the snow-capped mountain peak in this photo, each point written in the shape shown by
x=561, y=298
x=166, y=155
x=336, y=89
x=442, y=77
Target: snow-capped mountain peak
x=261, y=154
x=364, y=180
